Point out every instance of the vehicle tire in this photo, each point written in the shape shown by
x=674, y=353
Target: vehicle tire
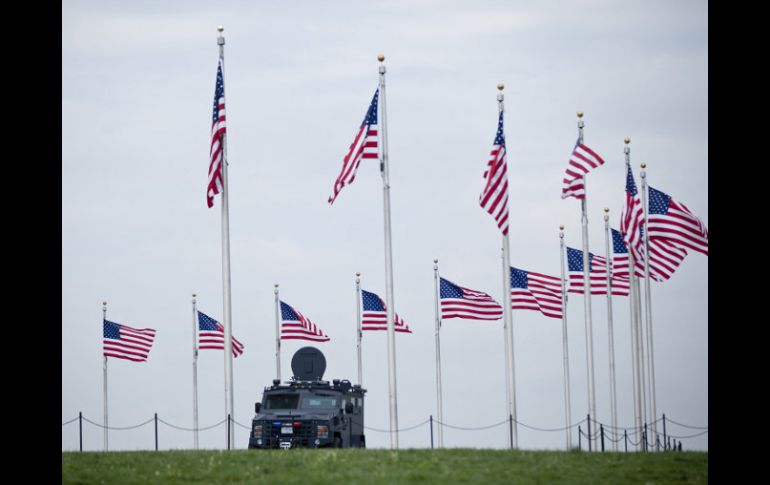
x=338, y=441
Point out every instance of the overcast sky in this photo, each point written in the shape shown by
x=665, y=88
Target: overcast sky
x=137, y=89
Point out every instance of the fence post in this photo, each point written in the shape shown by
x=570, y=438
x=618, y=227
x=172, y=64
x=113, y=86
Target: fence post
x=580, y=435
x=644, y=436
x=80, y=418
x=510, y=428
x=228, y=431
x=664, y=432
x=625, y=439
x=668, y=443
x=601, y=428
x=156, y=431
x=431, y=431
x=588, y=431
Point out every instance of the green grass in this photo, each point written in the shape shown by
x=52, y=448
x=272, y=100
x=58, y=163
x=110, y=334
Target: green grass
x=355, y=466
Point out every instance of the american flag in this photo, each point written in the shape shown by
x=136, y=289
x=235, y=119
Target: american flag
x=294, y=326
x=632, y=218
x=672, y=221
x=459, y=302
x=620, y=259
x=664, y=258
x=582, y=161
x=128, y=343
x=494, y=197
x=365, y=145
x=375, y=317
x=218, y=129
x=211, y=335
x=535, y=291
x=597, y=274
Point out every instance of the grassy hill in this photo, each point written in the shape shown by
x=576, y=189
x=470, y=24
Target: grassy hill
x=355, y=466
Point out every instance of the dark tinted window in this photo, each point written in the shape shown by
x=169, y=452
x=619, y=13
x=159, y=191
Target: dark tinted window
x=281, y=401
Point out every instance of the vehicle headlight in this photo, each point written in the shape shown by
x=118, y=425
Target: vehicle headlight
x=322, y=431
x=258, y=430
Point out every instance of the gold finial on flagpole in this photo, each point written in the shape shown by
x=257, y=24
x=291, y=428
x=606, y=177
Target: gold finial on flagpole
x=643, y=165
x=606, y=209
x=380, y=58
x=579, y=114
x=358, y=274
x=500, y=86
x=561, y=227
x=627, y=140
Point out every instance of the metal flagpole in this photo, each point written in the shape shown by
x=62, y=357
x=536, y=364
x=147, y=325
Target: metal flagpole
x=610, y=330
x=635, y=338
x=359, y=334
x=277, y=333
x=440, y=407
x=104, y=318
x=508, y=316
x=648, y=313
x=587, y=295
x=229, y=394
x=385, y=171
x=565, y=347
x=195, y=371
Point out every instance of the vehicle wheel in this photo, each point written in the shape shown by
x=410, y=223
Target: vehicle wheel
x=338, y=442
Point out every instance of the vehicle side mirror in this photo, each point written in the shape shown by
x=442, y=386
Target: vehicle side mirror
x=349, y=408
x=257, y=407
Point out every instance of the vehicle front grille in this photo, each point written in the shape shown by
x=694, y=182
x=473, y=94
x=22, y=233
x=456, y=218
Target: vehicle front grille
x=301, y=436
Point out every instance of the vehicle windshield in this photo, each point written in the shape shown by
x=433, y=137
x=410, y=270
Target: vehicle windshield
x=281, y=401
x=314, y=401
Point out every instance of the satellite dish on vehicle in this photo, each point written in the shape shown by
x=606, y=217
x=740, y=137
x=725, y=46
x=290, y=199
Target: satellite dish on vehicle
x=308, y=364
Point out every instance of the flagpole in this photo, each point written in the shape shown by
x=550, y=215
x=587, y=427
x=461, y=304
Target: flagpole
x=587, y=294
x=565, y=347
x=229, y=394
x=195, y=371
x=648, y=311
x=633, y=300
x=507, y=314
x=440, y=407
x=610, y=330
x=104, y=318
x=277, y=333
x=359, y=334
x=385, y=171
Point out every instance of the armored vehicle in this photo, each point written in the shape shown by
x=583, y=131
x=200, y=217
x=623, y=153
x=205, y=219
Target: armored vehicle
x=307, y=412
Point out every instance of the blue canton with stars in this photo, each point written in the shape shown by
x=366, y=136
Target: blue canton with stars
x=575, y=260
x=659, y=202
x=205, y=322
x=447, y=289
x=372, y=302
x=371, y=114
x=630, y=184
x=112, y=330
x=219, y=92
x=519, y=278
x=618, y=244
x=500, y=137
x=288, y=313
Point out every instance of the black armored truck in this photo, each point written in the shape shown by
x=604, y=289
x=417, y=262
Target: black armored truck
x=307, y=412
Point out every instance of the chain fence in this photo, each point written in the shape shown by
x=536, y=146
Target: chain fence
x=645, y=441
